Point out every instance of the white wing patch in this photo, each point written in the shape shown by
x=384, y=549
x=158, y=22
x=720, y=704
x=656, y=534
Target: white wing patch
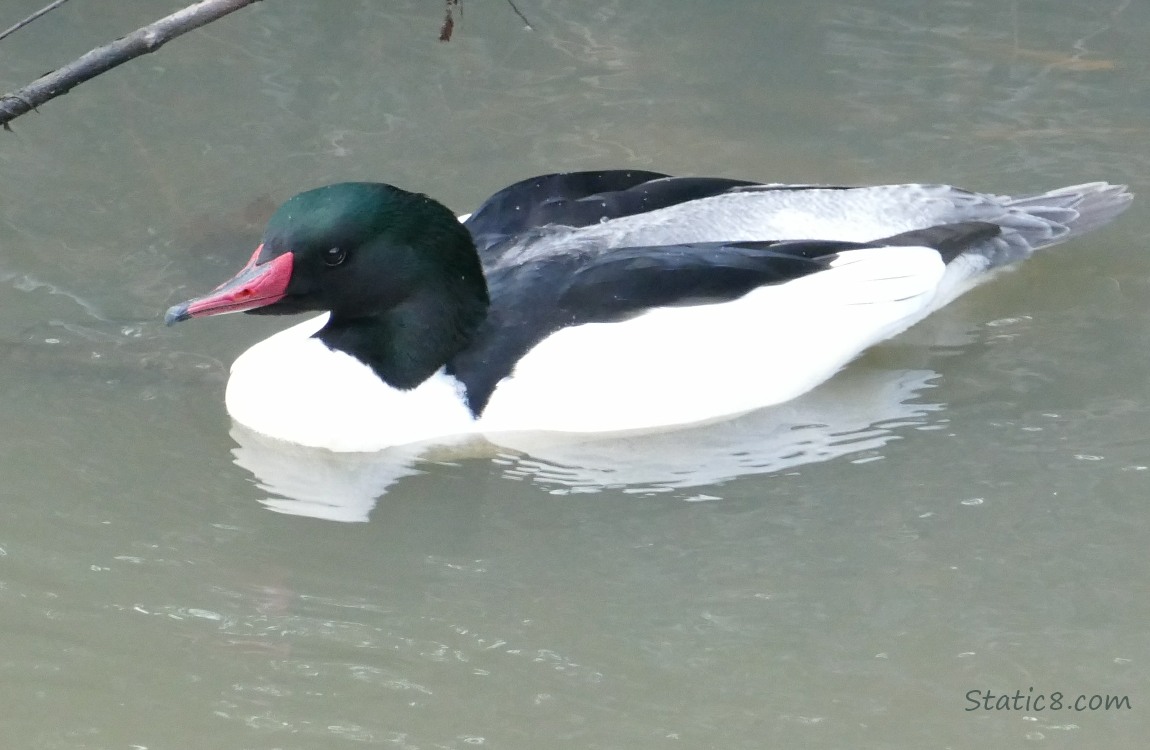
x=681, y=365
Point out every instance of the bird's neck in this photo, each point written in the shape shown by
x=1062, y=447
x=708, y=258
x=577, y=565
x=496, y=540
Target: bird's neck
x=408, y=343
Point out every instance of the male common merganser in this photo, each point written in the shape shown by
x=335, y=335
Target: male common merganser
x=596, y=302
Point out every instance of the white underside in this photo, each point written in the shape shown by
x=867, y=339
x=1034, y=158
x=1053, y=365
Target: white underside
x=668, y=367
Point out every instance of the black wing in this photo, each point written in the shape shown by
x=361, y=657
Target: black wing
x=631, y=280
x=952, y=240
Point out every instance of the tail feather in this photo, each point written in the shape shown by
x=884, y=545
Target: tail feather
x=1032, y=222
x=1069, y=211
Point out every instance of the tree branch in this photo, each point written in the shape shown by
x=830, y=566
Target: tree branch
x=526, y=24
x=51, y=7
x=102, y=59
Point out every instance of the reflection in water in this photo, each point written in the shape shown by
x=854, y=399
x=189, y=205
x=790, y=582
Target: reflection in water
x=859, y=411
x=318, y=483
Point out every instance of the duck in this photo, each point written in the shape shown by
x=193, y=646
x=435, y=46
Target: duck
x=600, y=302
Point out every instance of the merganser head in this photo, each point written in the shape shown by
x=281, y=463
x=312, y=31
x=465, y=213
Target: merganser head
x=355, y=248
x=397, y=271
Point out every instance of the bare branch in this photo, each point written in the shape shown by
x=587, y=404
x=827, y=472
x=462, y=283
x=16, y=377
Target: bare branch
x=102, y=59
x=50, y=7
x=526, y=24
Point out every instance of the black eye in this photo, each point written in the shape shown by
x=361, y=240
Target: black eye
x=333, y=256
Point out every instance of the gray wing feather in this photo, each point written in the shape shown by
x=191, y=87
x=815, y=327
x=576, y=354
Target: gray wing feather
x=804, y=212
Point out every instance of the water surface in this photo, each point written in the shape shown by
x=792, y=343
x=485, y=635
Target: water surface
x=962, y=509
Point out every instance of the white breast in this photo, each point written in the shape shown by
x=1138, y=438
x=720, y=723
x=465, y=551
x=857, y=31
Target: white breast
x=293, y=387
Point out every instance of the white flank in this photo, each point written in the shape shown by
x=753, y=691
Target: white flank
x=682, y=365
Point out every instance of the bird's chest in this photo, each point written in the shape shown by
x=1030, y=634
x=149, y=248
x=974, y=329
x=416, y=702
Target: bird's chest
x=294, y=388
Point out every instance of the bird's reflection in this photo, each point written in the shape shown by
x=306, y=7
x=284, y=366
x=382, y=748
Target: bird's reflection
x=861, y=410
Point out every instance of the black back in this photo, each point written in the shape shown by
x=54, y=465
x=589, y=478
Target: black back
x=579, y=199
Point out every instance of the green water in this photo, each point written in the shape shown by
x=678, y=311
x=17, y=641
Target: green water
x=963, y=509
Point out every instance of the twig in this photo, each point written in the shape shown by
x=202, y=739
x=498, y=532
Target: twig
x=523, y=18
x=447, y=28
x=102, y=59
x=31, y=18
